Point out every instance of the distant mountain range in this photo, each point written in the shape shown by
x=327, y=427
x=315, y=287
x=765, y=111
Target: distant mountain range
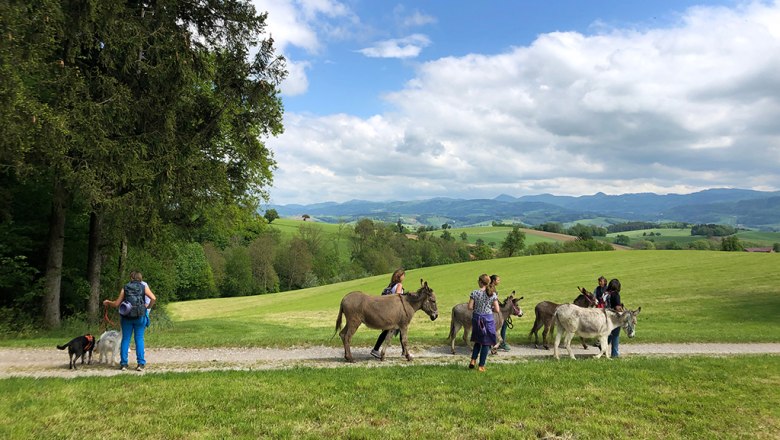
x=736, y=207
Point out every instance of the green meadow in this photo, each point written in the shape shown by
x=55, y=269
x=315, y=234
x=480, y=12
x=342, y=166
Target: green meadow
x=495, y=235
x=683, y=236
x=633, y=398
x=488, y=234
x=686, y=296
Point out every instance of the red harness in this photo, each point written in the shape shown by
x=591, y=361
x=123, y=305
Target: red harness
x=90, y=342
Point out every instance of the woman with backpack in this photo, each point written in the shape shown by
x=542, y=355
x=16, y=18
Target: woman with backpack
x=132, y=311
x=483, y=302
x=394, y=288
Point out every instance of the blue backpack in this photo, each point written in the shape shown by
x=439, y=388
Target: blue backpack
x=389, y=290
x=134, y=305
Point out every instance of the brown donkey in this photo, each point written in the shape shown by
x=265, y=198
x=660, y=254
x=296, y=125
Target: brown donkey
x=387, y=312
x=544, y=316
x=461, y=317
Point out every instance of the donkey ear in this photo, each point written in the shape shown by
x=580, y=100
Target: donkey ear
x=421, y=281
x=638, y=310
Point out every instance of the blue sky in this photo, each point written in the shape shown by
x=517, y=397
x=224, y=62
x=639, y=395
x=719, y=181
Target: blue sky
x=408, y=100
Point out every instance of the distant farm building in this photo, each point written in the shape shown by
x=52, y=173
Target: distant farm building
x=759, y=249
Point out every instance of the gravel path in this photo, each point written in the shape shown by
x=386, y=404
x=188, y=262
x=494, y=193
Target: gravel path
x=28, y=362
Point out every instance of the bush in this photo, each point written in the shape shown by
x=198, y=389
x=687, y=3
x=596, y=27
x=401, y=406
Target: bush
x=623, y=240
x=194, y=278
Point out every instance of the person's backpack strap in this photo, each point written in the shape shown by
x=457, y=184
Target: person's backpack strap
x=389, y=290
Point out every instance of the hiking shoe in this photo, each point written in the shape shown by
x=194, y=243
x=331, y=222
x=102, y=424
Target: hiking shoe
x=481, y=369
x=123, y=368
x=504, y=346
x=472, y=364
x=139, y=368
x=376, y=353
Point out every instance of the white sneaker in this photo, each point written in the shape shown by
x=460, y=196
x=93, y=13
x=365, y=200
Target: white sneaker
x=376, y=353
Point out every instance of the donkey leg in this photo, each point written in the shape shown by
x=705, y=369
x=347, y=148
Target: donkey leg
x=350, y=330
x=535, y=332
x=385, y=344
x=584, y=345
x=555, y=346
x=603, y=350
x=405, y=345
x=544, y=336
x=455, y=329
x=343, y=336
x=567, y=341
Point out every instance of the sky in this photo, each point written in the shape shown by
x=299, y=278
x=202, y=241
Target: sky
x=409, y=100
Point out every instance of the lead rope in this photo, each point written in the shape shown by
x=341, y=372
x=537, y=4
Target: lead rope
x=106, y=320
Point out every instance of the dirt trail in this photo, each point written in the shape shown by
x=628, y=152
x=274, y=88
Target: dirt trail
x=28, y=362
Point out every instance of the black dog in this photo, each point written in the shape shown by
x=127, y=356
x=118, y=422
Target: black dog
x=77, y=348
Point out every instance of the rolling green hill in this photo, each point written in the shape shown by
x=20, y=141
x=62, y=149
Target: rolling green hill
x=683, y=236
x=497, y=234
x=685, y=296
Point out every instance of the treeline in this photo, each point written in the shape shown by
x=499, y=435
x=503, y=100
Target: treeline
x=712, y=230
x=583, y=232
x=638, y=226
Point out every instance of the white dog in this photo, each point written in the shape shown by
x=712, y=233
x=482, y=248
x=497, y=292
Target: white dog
x=108, y=346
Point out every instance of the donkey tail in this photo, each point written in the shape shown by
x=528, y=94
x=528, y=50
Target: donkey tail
x=451, y=336
x=556, y=321
x=338, y=321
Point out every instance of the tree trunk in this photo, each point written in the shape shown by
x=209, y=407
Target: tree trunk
x=94, y=264
x=122, y=263
x=56, y=244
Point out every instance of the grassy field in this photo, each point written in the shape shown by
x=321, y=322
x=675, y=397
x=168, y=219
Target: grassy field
x=683, y=236
x=759, y=238
x=489, y=234
x=686, y=296
x=496, y=235
x=646, y=398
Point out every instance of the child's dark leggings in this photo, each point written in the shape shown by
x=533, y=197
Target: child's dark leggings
x=482, y=350
x=381, y=339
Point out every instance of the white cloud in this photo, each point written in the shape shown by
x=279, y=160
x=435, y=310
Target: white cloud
x=418, y=19
x=296, y=23
x=407, y=47
x=676, y=109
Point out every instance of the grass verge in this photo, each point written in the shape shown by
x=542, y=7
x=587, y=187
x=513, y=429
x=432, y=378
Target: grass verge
x=649, y=398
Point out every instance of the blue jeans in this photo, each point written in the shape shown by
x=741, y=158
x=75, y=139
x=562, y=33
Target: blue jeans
x=614, y=339
x=482, y=351
x=135, y=328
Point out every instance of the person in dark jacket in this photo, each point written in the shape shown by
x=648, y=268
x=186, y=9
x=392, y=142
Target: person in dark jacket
x=613, y=302
x=598, y=292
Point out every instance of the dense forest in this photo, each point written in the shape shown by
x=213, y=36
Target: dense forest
x=130, y=132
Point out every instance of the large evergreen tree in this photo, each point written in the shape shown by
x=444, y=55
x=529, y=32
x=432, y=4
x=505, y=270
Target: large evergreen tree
x=148, y=112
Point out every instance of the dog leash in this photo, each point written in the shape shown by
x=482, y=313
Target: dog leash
x=106, y=320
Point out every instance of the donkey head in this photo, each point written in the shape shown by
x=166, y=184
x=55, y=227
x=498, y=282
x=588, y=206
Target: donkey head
x=629, y=323
x=516, y=310
x=586, y=299
x=428, y=300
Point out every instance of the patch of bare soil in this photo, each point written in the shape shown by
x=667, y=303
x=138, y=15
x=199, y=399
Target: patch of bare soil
x=28, y=362
x=553, y=235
